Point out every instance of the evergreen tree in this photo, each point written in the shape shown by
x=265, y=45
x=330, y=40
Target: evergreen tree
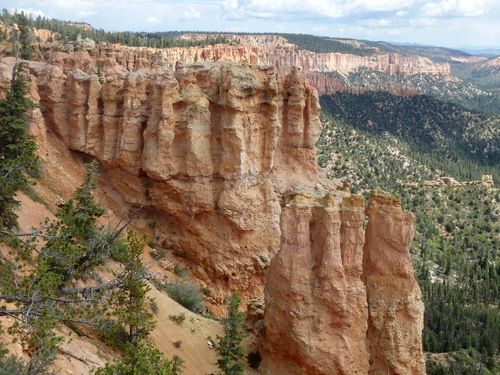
x=232, y=357
x=129, y=303
x=142, y=358
x=25, y=35
x=39, y=287
x=18, y=159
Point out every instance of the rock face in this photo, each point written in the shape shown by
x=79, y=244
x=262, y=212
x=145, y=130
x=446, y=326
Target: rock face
x=222, y=157
x=261, y=49
x=340, y=300
x=394, y=300
x=282, y=56
x=316, y=316
x=198, y=147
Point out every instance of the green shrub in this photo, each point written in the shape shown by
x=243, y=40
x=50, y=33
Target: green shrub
x=179, y=271
x=179, y=318
x=187, y=294
x=114, y=335
x=178, y=343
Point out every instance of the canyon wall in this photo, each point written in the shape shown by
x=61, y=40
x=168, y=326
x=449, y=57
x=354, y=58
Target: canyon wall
x=258, y=49
x=283, y=57
x=208, y=149
x=222, y=157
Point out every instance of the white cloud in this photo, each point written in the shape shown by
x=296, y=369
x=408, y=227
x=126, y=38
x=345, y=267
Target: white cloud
x=152, y=20
x=319, y=29
x=463, y=8
x=191, y=14
x=85, y=14
x=300, y=9
x=358, y=6
x=30, y=11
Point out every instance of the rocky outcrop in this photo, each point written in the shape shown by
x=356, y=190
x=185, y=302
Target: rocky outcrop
x=450, y=182
x=222, y=157
x=316, y=316
x=395, y=305
x=341, y=300
x=198, y=146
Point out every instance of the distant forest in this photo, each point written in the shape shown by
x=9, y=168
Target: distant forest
x=462, y=143
x=70, y=30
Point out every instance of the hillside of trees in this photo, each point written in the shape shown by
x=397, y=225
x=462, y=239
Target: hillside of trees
x=456, y=249
x=483, y=77
x=470, y=95
x=461, y=143
x=70, y=30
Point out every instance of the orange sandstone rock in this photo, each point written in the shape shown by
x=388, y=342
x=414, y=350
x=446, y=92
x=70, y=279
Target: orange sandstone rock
x=222, y=156
x=198, y=146
x=316, y=315
x=395, y=304
x=340, y=300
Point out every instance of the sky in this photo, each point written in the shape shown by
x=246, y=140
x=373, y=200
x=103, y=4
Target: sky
x=445, y=23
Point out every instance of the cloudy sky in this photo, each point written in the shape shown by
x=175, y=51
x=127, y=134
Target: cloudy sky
x=448, y=23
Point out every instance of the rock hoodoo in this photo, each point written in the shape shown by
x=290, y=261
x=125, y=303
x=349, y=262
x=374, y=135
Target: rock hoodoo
x=395, y=306
x=209, y=148
x=341, y=300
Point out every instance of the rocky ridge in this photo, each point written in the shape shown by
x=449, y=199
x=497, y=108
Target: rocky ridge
x=284, y=57
x=259, y=49
x=222, y=156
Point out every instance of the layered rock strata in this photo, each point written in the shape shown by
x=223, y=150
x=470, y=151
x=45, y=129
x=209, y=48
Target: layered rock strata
x=341, y=300
x=256, y=49
x=283, y=57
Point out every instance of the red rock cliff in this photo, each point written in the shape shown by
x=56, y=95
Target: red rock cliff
x=209, y=149
x=223, y=157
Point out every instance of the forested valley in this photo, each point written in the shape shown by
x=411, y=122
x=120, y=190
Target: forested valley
x=428, y=153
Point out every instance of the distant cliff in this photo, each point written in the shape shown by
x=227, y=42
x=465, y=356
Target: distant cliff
x=283, y=56
x=255, y=49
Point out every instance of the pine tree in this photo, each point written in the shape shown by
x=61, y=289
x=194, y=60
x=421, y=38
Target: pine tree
x=25, y=35
x=142, y=358
x=18, y=159
x=129, y=303
x=232, y=357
